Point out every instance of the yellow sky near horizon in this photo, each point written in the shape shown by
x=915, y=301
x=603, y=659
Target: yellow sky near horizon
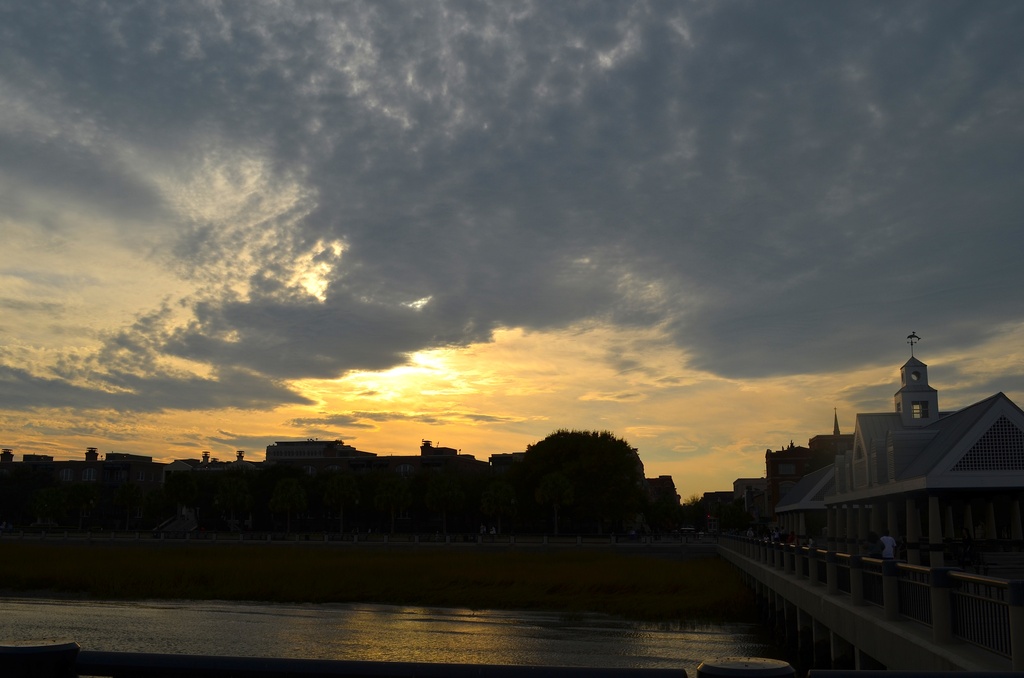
x=497, y=397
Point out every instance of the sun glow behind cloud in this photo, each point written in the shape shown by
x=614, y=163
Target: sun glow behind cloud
x=503, y=395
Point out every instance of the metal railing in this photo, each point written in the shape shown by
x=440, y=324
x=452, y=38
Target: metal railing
x=379, y=538
x=915, y=600
x=983, y=611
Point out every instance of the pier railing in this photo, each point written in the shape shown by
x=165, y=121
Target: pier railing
x=985, y=612
x=363, y=538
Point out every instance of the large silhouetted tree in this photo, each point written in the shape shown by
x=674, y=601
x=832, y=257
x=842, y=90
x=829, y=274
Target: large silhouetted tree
x=554, y=490
x=604, y=472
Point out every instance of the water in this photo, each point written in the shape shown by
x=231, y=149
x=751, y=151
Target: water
x=373, y=633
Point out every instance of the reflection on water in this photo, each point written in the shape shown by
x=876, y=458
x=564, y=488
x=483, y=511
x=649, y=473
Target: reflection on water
x=373, y=633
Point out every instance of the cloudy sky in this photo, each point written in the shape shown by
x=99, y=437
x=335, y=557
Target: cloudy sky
x=701, y=226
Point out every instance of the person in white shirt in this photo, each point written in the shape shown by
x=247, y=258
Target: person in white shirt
x=888, y=545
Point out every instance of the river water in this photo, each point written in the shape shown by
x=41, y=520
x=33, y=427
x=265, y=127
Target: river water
x=374, y=633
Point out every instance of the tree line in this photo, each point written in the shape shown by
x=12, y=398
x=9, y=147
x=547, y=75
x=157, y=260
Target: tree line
x=571, y=481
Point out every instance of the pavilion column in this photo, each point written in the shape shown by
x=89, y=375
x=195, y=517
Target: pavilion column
x=801, y=530
x=862, y=525
x=948, y=528
x=1016, y=532
x=892, y=519
x=990, y=521
x=851, y=529
x=877, y=517
x=968, y=520
x=913, y=533
x=830, y=531
x=935, y=555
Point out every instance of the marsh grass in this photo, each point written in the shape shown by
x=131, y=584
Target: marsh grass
x=631, y=586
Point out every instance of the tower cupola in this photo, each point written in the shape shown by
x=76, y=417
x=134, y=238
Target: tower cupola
x=917, y=403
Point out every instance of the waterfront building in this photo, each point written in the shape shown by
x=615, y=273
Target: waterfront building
x=931, y=478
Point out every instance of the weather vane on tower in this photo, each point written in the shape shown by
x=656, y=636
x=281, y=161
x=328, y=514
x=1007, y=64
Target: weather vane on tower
x=912, y=339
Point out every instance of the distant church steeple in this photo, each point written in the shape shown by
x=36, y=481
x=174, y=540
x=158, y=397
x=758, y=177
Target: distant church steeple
x=835, y=422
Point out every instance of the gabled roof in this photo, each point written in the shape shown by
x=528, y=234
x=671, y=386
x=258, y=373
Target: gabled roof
x=948, y=431
x=979, y=446
x=809, y=493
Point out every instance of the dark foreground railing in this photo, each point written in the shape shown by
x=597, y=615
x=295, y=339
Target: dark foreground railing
x=125, y=665
x=63, y=659
x=58, y=659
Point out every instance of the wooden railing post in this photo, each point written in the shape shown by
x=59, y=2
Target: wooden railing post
x=1016, y=603
x=798, y=561
x=856, y=580
x=891, y=589
x=812, y=566
x=940, y=589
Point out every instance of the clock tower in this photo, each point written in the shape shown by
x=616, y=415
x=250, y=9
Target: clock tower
x=917, y=403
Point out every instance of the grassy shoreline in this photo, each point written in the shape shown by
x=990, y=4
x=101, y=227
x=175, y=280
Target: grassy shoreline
x=642, y=587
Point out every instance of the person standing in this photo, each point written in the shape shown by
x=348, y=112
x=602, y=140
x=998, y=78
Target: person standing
x=888, y=546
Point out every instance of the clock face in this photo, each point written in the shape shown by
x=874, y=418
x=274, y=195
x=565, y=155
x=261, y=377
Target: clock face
x=916, y=376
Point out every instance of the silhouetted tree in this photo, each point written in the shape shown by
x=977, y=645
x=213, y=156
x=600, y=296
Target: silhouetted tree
x=340, y=490
x=392, y=495
x=49, y=504
x=17, y=491
x=498, y=499
x=554, y=490
x=82, y=498
x=128, y=496
x=182, y=489
x=233, y=494
x=444, y=493
x=605, y=473
x=289, y=496
x=693, y=512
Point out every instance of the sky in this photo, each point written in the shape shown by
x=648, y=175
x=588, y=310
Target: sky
x=706, y=227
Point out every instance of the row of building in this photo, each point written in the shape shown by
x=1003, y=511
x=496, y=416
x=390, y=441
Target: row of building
x=312, y=456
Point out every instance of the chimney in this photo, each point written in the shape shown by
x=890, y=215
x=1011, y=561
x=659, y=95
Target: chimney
x=91, y=454
x=206, y=457
x=241, y=455
x=6, y=455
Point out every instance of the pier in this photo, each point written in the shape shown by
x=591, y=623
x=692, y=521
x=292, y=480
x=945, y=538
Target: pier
x=884, y=614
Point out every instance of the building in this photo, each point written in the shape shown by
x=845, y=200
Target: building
x=753, y=492
x=316, y=456
x=663, y=488
x=115, y=469
x=930, y=477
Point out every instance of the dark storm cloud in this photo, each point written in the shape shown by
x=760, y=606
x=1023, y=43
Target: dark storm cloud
x=796, y=182
x=22, y=390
